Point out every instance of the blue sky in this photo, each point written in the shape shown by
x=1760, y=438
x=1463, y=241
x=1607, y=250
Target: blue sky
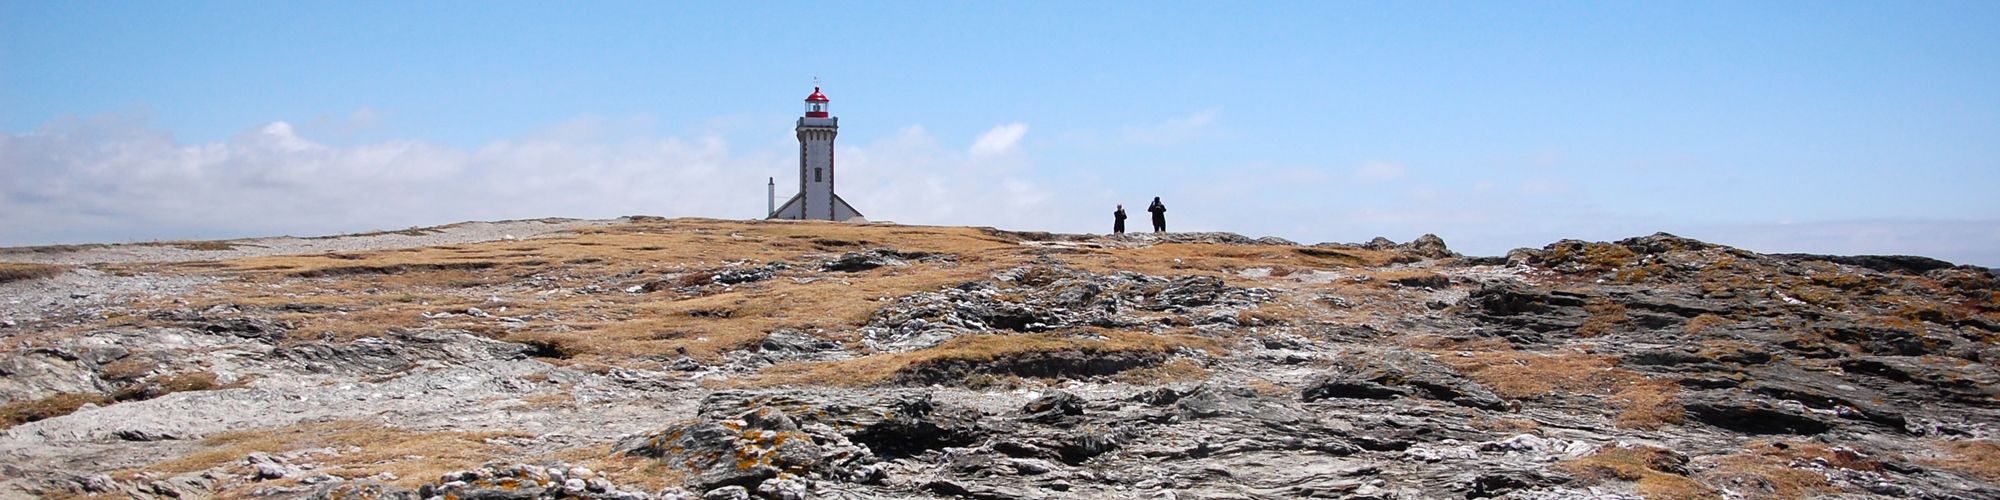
x=1829, y=127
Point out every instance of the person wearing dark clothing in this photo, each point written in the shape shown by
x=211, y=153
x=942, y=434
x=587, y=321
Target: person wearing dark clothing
x=1159, y=211
x=1118, y=221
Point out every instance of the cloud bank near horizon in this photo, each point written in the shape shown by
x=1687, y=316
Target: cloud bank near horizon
x=116, y=179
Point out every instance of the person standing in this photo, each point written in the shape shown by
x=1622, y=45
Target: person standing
x=1118, y=220
x=1159, y=211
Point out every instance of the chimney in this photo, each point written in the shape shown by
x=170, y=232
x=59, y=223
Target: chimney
x=771, y=198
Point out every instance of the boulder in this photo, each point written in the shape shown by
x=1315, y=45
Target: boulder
x=1659, y=243
x=1750, y=416
x=1524, y=256
x=745, y=451
x=1428, y=246
x=1052, y=407
x=881, y=426
x=786, y=344
x=854, y=262
x=741, y=275
x=371, y=489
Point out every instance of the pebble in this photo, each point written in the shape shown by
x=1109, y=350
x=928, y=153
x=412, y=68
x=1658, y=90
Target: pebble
x=267, y=471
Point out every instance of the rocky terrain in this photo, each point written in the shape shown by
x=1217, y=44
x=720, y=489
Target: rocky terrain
x=650, y=358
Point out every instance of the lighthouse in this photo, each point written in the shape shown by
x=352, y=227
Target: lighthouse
x=816, y=200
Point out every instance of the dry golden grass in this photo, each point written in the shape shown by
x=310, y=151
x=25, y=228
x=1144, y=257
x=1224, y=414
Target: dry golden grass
x=610, y=327
x=363, y=294
x=1764, y=468
x=1639, y=274
x=1979, y=458
x=365, y=449
x=885, y=367
x=1522, y=375
x=48, y=249
x=1595, y=256
x=168, y=384
x=1605, y=317
x=209, y=246
x=1818, y=295
x=1607, y=255
x=1223, y=260
x=1174, y=370
x=1409, y=278
x=1270, y=389
x=1704, y=322
x=1642, y=402
x=128, y=369
x=344, y=296
x=64, y=403
x=52, y=406
x=1652, y=468
x=1646, y=404
x=1841, y=280
x=551, y=401
x=22, y=271
x=627, y=471
x=1262, y=317
x=1304, y=307
x=376, y=291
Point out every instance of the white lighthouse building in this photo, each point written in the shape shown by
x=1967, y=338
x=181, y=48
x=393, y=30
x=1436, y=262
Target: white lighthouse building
x=815, y=200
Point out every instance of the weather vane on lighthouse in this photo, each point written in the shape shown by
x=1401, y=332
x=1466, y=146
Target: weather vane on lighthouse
x=816, y=200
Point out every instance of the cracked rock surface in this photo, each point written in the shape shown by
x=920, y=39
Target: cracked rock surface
x=684, y=359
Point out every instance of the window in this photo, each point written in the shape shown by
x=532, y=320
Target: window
x=816, y=174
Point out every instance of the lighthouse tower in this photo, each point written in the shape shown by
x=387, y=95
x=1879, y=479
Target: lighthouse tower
x=816, y=200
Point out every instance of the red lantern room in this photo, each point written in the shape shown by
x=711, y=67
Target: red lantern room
x=816, y=104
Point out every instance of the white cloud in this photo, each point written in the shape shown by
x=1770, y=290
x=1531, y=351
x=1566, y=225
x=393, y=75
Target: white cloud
x=999, y=140
x=910, y=178
x=280, y=136
x=111, y=179
x=1378, y=171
